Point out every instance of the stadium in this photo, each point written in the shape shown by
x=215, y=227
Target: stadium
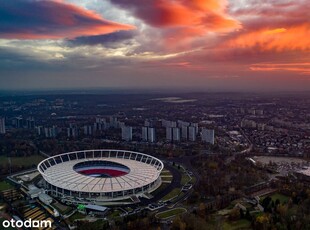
x=100, y=176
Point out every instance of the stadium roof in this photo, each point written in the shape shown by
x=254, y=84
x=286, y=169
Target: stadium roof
x=142, y=172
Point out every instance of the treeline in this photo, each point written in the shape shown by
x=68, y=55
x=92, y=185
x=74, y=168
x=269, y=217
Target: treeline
x=16, y=148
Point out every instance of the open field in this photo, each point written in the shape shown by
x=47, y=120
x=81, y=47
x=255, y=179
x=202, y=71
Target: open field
x=172, y=194
x=165, y=173
x=185, y=179
x=234, y=225
x=170, y=213
x=5, y=186
x=21, y=161
x=275, y=196
x=76, y=216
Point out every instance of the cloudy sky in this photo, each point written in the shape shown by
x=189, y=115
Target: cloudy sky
x=193, y=44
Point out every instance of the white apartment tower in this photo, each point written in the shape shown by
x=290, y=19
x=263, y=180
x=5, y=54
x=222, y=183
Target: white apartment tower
x=126, y=133
x=207, y=135
x=2, y=125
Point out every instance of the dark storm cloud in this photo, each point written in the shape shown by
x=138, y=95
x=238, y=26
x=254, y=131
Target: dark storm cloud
x=30, y=19
x=14, y=60
x=107, y=40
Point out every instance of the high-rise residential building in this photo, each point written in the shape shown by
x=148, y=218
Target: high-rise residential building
x=182, y=123
x=72, y=131
x=126, y=133
x=148, y=134
x=192, y=133
x=173, y=124
x=50, y=131
x=196, y=127
x=176, y=134
x=144, y=135
x=100, y=124
x=54, y=131
x=40, y=130
x=114, y=122
x=151, y=135
x=169, y=134
x=46, y=132
x=147, y=123
x=207, y=135
x=30, y=123
x=2, y=125
x=184, y=132
x=19, y=122
x=88, y=130
x=173, y=134
x=169, y=124
x=189, y=133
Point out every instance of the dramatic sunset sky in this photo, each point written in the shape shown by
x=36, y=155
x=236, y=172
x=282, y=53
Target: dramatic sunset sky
x=192, y=44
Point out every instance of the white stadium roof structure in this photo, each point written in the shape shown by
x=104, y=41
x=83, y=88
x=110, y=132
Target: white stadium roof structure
x=100, y=175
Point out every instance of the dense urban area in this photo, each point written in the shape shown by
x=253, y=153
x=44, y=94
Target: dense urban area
x=231, y=160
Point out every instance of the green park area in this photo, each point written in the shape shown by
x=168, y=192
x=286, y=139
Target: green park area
x=76, y=216
x=21, y=161
x=234, y=225
x=5, y=186
x=277, y=196
x=175, y=192
x=185, y=179
x=166, y=176
x=165, y=172
x=170, y=213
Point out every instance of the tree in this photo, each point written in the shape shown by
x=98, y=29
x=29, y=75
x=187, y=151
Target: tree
x=202, y=210
x=241, y=213
x=234, y=214
x=265, y=203
x=248, y=215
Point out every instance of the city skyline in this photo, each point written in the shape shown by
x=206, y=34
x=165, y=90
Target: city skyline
x=200, y=45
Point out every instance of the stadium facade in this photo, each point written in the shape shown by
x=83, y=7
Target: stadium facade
x=100, y=176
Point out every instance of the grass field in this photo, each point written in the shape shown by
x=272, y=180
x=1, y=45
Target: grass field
x=21, y=161
x=76, y=216
x=172, y=194
x=5, y=186
x=170, y=213
x=282, y=198
x=234, y=225
x=115, y=213
x=185, y=179
x=165, y=173
x=160, y=189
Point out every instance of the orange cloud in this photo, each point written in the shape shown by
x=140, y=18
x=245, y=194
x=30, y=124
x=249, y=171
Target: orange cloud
x=275, y=31
x=301, y=68
x=202, y=15
x=278, y=39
